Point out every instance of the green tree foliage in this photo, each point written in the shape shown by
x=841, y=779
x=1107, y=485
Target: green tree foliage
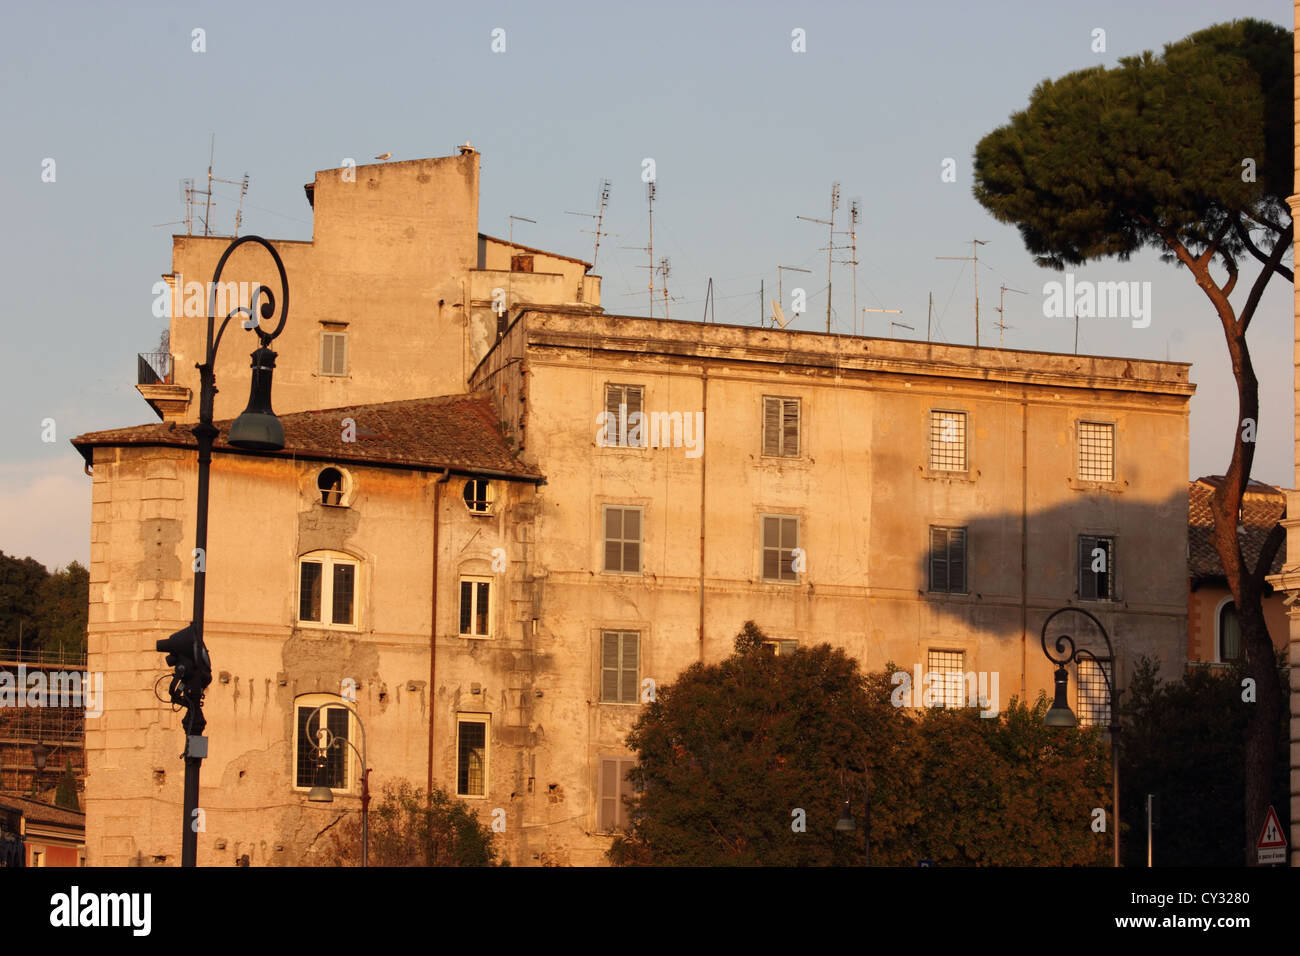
x=1189, y=153
x=50, y=609
x=66, y=794
x=20, y=588
x=408, y=830
x=1183, y=741
x=729, y=752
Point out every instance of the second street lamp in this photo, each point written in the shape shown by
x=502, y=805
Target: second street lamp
x=257, y=429
x=321, y=792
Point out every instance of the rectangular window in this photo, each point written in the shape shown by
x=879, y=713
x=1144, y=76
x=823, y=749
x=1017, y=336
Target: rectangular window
x=614, y=786
x=309, y=591
x=621, y=402
x=344, y=580
x=1096, y=568
x=334, y=353
x=780, y=539
x=622, y=540
x=1094, y=695
x=950, y=668
x=620, y=653
x=331, y=770
x=474, y=602
x=1096, y=451
x=947, y=441
x=780, y=648
x=948, y=560
x=781, y=427
x=471, y=756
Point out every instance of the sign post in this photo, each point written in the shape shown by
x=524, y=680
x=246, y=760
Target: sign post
x=1271, y=846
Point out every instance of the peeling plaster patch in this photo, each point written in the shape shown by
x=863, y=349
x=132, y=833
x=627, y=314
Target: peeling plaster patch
x=326, y=529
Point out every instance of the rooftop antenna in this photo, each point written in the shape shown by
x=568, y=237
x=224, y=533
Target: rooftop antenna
x=898, y=325
x=510, y=299
x=709, y=301
x=1002, y=294
x=835, y=204
x=650, y=248
x=663, y=271
x=974, y=257
x=599, y=217
x=780, y=288
x=192, y=194
x=864, y=317
x=929, y=311
x=853, y=256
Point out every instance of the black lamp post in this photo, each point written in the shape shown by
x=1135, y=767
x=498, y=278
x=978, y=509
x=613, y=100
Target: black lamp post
x=257, y=429
x=1060, y=714
x=40, y=756
x=321, y=793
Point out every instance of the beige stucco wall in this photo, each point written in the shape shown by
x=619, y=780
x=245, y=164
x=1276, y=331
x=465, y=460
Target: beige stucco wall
x=1203, y=605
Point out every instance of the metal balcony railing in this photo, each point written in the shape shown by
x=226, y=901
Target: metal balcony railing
x=154, y=368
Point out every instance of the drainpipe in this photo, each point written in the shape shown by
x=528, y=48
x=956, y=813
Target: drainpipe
x=704, y=474
x=1024, y=539
x=433, y=626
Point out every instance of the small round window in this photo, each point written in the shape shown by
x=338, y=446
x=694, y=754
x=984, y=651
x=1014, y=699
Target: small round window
x=330, y=483
x=479, y=495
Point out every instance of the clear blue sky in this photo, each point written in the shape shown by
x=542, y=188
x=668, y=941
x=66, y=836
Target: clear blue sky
x=746, y=135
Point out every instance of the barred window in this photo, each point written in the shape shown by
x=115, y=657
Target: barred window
x=781, y=426
x=780, y=539
x=1096, y=568
x=471, y=756
x=948, y=667
x=1094, y=695
x=314, y=768
x=947, y=441
x=620, y=655
x=948, y=560
x=1096, y=451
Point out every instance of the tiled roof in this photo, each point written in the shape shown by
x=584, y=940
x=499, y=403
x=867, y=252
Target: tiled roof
x=1263, y=506
x=38, y=812
x=460, y=432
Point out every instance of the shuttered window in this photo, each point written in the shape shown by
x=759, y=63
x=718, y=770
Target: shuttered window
x=948, y=560
x=623, y=540
x=620, y=653
x=621, y=403
x=614, y=786
x=781, y=427
x=1096, y=568
x=334, y=353
x=780, y=538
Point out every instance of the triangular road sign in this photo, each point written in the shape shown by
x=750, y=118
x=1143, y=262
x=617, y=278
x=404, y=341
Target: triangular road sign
x=1271, y=836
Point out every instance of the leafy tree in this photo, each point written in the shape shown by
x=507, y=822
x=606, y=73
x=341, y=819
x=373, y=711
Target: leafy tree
x=406, y=829
x=729, y=753
x=20, y=585
x=64, y=607
x=1188, y=153
x=66, y=794
x=1183, y=741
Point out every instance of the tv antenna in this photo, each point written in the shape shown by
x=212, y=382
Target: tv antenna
x=599, y=217
x=898, y=325
x=649, y=249
x=1002, y=326
x=975, y=258
x=664, y=268
x=835, y=204
x=780, y=291
x=864, y=317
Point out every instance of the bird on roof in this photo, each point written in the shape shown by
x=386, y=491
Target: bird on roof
x=385, y=156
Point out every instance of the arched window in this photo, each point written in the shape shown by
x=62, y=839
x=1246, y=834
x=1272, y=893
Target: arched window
x=333, y=768
x=330, y=483
x=479, y=495
x=1229, y=633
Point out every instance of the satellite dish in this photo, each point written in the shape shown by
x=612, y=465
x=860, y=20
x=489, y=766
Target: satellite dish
x=778, y=316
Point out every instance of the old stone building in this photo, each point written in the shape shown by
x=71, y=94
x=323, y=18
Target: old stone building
x=543, y=511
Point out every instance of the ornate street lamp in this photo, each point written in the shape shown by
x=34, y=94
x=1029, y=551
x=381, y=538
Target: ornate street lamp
x=1060, y=714
x=40, y=756
x=257, y=429
x=321, y=793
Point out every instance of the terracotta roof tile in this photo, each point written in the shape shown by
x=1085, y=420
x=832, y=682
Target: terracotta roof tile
x=1263, y=506
x=38, y=812
x=461, y=432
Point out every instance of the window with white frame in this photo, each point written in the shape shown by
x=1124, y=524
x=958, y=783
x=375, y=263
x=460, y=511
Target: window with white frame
x=780, y=540
x=333, y=352
x=475, y=605
x=1096, y=451
x=620, y=667
x=622, y=539
x=781, y=426
x=613, y=788
x=479, y=495
x=621, y=403
x=327, y=589
x=948, y=560
x=314, y=728
x=947, y=670
x=330, y=485
x=947, y=441
x=1096, y=568
x=1094, y=694
x=472, y=754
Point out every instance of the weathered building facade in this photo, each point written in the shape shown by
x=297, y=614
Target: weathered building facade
x=543, y=512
